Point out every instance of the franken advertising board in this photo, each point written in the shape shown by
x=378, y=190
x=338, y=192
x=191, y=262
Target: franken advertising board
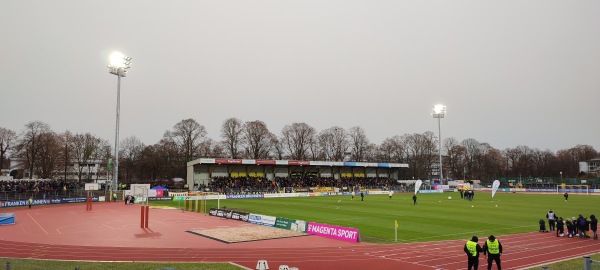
x=43, y=201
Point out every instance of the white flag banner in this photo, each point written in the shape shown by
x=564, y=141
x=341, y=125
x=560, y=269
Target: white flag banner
x=495, y=186
x=418, y=185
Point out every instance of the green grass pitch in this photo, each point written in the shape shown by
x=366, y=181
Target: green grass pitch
x=434, y=218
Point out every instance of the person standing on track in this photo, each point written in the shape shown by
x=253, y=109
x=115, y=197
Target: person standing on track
x=594, y=226
x=551, y=218
x=560, y=227
x=472, y=249
x=492, y=249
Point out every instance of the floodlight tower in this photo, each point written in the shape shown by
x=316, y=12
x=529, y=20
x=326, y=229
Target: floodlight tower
x=119, y=64
x=439, y=111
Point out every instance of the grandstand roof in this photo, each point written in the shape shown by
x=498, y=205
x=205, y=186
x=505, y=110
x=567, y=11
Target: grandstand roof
x=294, y=163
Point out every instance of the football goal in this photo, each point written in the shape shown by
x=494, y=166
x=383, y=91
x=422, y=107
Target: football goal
x=581, y=189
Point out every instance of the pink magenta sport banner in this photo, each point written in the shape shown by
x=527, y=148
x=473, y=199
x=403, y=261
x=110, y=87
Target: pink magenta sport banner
x=331, y=231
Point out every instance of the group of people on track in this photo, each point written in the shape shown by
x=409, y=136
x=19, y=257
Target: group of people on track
x=581, y=226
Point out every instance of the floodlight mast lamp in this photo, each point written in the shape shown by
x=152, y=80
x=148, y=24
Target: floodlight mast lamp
x=439, y=111
x=119, y=65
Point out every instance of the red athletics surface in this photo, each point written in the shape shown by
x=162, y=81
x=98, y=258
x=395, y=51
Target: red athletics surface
x=111, y=232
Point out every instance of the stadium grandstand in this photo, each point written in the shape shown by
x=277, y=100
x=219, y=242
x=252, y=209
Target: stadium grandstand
x=244, y=175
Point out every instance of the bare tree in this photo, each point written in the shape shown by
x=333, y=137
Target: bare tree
x=519, y=161
x=29, y=145
x=495, y=163
x=392, y=150
x=277, y=148
x=187, y=135
x=86, y=148
x=130, y=154
x=297, y=139
x=421, y=153
x=455, y=158
x=472, y=154
x=358, y=143
x=8, y=139
x=231, y=133
x=66, y=142
x=371, y=153
x=258, y=139
x=212, y=148
x=48, y=155
x=103, y=155
x=333, y=143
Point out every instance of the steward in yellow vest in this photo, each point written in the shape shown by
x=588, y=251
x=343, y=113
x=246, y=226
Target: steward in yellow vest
x=493, y=247
x=472, y=249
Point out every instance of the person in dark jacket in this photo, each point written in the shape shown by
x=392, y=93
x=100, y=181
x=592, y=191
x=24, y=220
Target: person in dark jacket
x=472, y=249
x=415, y=199
x=581, y=226
x=594, y=226
x=570, y=228
x=560, y=227
x=492, y=249
x=542, y=226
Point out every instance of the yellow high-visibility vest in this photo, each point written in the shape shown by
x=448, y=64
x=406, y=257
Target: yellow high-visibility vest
x=493, y=247
x=472, y=248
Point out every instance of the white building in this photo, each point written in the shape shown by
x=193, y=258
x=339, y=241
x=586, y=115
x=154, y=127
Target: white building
x=93, y=171
x=591, y=166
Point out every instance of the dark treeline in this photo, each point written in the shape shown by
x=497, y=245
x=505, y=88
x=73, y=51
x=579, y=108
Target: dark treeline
x=47, y=154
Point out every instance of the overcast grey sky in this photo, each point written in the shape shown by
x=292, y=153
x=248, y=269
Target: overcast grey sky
x=511, y=72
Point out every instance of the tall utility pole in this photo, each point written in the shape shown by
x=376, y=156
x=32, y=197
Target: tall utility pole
x=119, y=64
x=439, y=111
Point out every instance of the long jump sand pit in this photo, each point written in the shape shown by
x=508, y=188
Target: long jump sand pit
x=246, y=233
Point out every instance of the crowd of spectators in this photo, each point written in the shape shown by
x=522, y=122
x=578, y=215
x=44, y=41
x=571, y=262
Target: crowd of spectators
x=21, y=186
x=37, y=188
x=259, y=184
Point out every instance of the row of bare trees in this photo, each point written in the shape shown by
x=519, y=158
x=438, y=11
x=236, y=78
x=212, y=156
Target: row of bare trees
x=47, y=154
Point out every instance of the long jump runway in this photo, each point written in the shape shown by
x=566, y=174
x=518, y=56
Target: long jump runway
x=111, y=232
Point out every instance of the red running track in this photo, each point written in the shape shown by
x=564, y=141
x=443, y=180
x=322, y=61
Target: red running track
x=111, y=232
